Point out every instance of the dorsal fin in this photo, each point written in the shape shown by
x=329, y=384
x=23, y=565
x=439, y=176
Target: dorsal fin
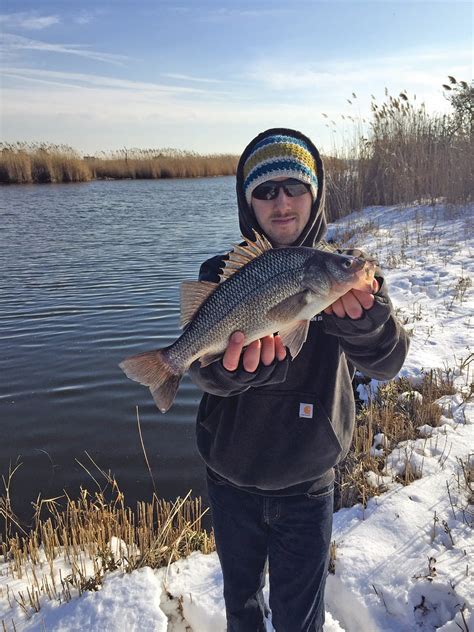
x=193, y=295
x=241, y=255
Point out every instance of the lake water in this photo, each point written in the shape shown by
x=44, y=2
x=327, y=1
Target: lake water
x=90, y=274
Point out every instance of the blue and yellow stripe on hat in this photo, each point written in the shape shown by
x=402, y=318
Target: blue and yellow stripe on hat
x=279, y=156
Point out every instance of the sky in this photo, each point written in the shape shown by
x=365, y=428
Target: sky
x=208, y=75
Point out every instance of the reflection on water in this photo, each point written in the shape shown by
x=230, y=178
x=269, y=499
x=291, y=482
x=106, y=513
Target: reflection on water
x=90, y=274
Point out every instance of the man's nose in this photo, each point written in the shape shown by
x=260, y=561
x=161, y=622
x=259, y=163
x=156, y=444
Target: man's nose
x=282, y=200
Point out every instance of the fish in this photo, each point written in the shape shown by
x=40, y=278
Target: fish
x=261, y=291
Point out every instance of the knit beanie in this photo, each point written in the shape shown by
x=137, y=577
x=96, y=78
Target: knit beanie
x=276, y=156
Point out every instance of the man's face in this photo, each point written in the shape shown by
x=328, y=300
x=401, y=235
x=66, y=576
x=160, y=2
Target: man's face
x=284, y=218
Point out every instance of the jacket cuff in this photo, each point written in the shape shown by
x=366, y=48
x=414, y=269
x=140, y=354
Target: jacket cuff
x=217, y=380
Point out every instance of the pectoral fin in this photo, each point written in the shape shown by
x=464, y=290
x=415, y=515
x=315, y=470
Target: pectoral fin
x=294, y=336
x=289, y=308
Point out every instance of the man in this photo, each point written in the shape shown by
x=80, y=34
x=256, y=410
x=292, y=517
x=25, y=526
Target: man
x=270, y=429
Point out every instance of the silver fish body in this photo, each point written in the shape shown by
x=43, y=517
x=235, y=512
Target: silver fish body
x=263, y=291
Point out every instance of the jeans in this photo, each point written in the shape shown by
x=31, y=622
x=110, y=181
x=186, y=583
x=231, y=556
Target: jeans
x=294, y=534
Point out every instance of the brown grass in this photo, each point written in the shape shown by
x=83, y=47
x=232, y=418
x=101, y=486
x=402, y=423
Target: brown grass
x=22, y=163
x=80, y=530
x=403, y=155
x=398, y=421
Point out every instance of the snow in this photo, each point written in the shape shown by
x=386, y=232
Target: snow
x=404, y=562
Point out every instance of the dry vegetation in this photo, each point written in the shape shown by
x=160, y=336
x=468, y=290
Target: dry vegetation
x=82, y=531
x=22, y=163
x=396, y=418
x=401, y=155
x=404, y=154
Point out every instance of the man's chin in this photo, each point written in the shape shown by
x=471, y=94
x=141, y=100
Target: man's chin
x=283, y=240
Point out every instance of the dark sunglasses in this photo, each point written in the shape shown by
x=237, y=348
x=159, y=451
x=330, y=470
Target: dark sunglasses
x=269, y=190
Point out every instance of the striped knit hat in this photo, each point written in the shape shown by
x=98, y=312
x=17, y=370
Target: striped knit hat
x=277, y=156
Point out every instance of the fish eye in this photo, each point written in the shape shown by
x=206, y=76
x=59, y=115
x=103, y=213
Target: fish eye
x=347, y=263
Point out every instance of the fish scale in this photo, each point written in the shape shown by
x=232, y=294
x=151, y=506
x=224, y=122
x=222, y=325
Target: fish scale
x=280, y=274
x=262, y=291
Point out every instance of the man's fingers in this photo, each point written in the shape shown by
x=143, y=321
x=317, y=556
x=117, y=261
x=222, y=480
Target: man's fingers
x=352, y=307
x=338, y=308
x=251, y=357
x=280, y=350
x=264, y=350
x=365, y=298
x=351, y=304
x=267, y=354
x=234, y=349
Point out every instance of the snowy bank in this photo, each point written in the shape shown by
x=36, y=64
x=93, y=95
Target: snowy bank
x=404, y=562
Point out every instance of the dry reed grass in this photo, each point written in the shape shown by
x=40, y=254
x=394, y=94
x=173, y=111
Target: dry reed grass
x=403, y=154
x=80, y=533
x=22, y=163
x=397, y=420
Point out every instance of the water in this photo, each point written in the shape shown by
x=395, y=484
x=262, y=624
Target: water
x=90, y=274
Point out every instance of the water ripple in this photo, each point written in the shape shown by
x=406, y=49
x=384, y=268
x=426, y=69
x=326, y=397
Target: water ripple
x=90, y=275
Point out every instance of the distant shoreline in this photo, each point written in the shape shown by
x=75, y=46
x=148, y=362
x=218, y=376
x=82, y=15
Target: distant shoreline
x=51, y=164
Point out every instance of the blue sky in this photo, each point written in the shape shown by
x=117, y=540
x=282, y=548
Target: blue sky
x=207, y=76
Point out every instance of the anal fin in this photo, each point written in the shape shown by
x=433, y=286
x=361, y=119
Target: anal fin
x=209, y=358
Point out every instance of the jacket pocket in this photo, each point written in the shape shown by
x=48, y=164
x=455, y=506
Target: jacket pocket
x=269, y=439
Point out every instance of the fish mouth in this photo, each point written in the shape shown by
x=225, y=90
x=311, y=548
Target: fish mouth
x=364, y=274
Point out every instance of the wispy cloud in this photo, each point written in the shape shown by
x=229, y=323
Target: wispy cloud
x=84, y=18
x=418, y=68
x=225, y=13
x=172, y=75
x=28, y=21
x=75, y=79
x=14, y=43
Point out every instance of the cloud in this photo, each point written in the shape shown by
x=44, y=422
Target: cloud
x=75, y=79
x=411, y=68
x=84, y=18
x=172, y=75
x=28, y=21
x=329, y=83
x=224, y=13
x=14, y=43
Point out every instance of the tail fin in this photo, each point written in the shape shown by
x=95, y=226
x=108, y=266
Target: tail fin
x=152, y=369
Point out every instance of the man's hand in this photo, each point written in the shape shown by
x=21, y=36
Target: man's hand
x=264, y=350
x=353, y=303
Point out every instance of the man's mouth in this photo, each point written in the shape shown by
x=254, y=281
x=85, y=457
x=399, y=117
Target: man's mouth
x=282, y=221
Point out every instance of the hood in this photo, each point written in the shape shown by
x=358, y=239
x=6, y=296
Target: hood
x=315, y=229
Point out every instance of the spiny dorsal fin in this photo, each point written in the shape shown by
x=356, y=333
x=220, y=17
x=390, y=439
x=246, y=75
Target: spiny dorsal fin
x=193, y=295
x=241, y=255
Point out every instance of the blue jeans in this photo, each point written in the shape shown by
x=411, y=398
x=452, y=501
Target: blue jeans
x=294, y=534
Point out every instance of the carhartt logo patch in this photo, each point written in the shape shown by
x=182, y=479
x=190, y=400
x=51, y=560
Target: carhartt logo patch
x=306, y=410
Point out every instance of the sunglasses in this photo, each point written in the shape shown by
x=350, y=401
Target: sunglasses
x=269, y=190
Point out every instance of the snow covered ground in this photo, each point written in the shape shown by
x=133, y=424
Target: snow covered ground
x=404, y=562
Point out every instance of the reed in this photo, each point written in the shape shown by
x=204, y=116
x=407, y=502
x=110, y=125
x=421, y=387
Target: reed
x=394, y=419
x=403, y=154
x=73, y=543
x=22, y=163
x=160, y=163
